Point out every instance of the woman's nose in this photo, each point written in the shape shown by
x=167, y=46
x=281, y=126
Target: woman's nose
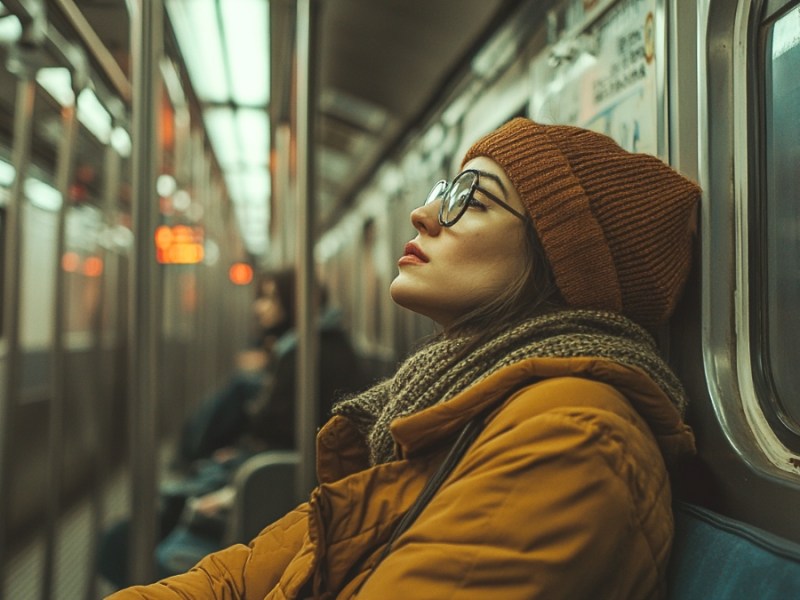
x=425, y=218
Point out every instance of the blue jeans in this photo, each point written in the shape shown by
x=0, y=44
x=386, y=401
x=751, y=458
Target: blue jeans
x=220, y=420
x=182, y=549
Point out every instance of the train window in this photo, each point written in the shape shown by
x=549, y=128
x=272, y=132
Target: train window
x=778, y=279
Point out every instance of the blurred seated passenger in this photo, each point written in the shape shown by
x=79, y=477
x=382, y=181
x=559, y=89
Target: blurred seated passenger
x=221, y=419
x=232, y=427
x=523, y=453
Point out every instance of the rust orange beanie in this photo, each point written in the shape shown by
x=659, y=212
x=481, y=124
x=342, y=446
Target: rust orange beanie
x=616, y=227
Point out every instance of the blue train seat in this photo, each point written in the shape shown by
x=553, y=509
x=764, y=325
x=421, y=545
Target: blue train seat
x=718, y=558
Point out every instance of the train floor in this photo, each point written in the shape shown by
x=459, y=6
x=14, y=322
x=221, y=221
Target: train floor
x=74, y=577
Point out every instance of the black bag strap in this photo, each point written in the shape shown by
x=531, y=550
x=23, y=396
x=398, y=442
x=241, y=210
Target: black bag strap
x=464, y=441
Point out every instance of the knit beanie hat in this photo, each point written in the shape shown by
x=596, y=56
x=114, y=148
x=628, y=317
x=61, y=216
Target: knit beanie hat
x=616, y=227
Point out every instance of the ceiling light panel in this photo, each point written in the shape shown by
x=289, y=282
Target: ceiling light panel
x=221, y=127
x=42, y=195
x=253, y=127
x=225, y=45
x=245, y=28
x=196, y=26
x=58, y=83
x=10, y=29
x=256, y=185
x=7, y=173
x=92, y=114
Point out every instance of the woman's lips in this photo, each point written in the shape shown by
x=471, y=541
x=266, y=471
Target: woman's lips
x=412, y=255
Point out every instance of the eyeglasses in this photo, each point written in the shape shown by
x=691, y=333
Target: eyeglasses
x=457, y=196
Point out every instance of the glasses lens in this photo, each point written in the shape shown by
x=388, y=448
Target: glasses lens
x=455, y=201
x=436, y=192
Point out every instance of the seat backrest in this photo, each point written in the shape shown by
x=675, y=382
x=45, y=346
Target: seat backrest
x=265, y=492
x=715, y=557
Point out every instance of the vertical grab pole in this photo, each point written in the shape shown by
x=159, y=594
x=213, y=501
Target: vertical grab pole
x=100, y=441
x=146, y=45
x=23, y=121
x=55, y=451
x=307, y=350
x=282, y=192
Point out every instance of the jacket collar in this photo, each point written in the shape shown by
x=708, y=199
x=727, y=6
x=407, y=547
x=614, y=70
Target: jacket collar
x=341, y=450
x=421, y=431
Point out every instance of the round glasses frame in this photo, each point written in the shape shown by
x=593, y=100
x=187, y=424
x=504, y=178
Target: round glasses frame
x=452, y=199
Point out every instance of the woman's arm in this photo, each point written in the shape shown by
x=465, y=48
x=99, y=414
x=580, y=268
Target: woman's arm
x=236, y=573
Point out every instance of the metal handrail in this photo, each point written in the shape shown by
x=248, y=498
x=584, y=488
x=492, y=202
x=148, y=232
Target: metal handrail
x=97, y=49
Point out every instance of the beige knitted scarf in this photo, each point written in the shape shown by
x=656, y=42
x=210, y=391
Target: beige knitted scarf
x=436, y=372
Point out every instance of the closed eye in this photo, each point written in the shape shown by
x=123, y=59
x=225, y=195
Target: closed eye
x=475, y=203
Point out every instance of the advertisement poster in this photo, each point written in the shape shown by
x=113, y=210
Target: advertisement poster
x=605, y=78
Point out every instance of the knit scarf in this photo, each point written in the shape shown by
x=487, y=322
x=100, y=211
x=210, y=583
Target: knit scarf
x=436, y=373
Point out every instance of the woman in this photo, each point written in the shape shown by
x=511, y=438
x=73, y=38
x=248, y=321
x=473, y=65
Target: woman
x=253, y=412
x=220, y=421
x=267, y=423
x=521, y=454
x=222, y=418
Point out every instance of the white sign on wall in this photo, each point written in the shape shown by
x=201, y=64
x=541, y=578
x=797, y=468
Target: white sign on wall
x=606, y=78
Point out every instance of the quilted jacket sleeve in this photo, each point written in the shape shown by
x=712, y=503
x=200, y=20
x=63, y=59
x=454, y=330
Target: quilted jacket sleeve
x=563, y=495
x=239, y=572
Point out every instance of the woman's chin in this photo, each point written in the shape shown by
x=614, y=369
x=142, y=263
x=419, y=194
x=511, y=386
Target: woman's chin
x=410, y=299
x=399, y=291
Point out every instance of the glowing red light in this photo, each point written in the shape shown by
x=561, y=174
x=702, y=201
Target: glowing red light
x=240, y=273
x=93, y=266
x=70, y=262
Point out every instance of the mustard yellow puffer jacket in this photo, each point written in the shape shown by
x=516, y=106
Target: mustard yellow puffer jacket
x=564, y=494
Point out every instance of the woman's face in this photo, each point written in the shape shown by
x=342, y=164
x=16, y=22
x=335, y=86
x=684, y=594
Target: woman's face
x=267, y=306
x=445, y=272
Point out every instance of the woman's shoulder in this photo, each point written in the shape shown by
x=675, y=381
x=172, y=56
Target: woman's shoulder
x=588, y=426
x=608, y=391
x=570, y=393
x=576, y=408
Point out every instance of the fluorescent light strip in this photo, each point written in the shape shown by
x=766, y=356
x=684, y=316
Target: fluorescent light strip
x=57, y=82
x=257, y=185
x=121, y=142
x=42, y=195
x=10, y=29
x=236, y=188
x=92, y=114
x=253, y=127
x=245, y=26
x=172, y=81
x=7, y=173
x=196, y=27
x=222, y=132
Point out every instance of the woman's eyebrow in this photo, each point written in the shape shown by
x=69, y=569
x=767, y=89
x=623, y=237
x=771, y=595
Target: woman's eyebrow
x=496, y=179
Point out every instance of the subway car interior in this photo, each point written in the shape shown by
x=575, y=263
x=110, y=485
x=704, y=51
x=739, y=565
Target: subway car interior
x=157, y=156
